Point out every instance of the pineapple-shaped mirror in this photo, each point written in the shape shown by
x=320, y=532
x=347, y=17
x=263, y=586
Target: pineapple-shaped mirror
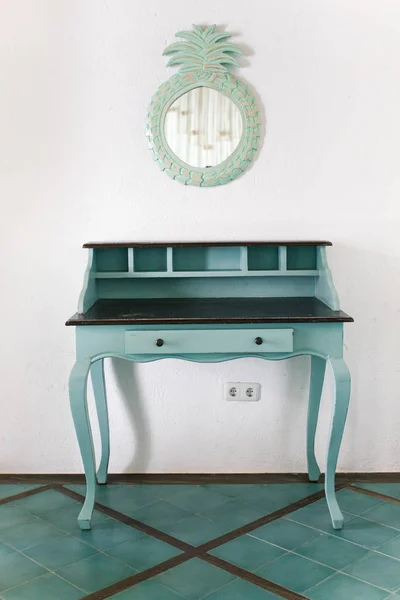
x=203, y=124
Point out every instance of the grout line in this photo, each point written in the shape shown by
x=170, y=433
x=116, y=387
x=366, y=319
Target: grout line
x=252, y=578
x=335, y=570
x=132, y=580
x=282, y=512
x=378, y=495
x=114, y=514
x=25, y=494
x=195, y=551
x=323, y=531
x=190, y=551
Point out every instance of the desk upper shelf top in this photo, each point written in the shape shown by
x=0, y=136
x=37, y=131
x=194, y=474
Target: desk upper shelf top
x=207, y=282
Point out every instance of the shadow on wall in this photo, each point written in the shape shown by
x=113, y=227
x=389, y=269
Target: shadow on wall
x=126, y=380
x=369, y=292
x=287, y=419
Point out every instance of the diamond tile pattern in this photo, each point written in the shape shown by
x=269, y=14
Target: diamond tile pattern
x=44, y=555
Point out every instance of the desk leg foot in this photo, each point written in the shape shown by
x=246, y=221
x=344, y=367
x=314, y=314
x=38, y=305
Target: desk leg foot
x=341, y=404
x=318, y=366
x=99, y=390
x=84, y=523
x=78, y=400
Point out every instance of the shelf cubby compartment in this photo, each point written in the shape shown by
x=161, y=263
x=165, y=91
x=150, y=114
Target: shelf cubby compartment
x=214, y=258
x=301, y=258
x=150, y=260
x=112, y=260
x=263, y=258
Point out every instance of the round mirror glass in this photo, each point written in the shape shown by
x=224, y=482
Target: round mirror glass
x=203, y=127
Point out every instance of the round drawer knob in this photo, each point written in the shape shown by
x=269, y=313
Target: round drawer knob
x=258, y=341
x=159, y=342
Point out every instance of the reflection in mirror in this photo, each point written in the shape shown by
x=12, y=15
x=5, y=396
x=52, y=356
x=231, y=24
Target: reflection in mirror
x=203, y=127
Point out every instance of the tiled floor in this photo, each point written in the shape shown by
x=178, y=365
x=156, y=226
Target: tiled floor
x=171, y=542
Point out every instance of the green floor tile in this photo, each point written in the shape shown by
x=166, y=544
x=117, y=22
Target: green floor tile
x=295, y=572
x=332, y=551
x=60, y=552
x=4, y=550
x=274, y=496
x=66, y=519
x=108, y=534
x=248, y=552
x=94, y=573
x=195, y=579
x=124, y=498
x=388, y=489
x=148, y=590
x=356, y=503
x=196, y=530
x=260, y=496
x=284, y=533
x=386, y=513
x=241, y=590
x=197, y=499
x=342, y=587
x=377, y=569
x=44, y=502
x=17, y=568
x=392, y=547
x=366, y=533
x=317, y=515
x=234, y=514
x=119, y=497
x=160, y=514
x=231, y=490
x=10, y=489
x=47, y=587
x=143, y=553
x=166, y=491
x=11, y=515
x=29, y=534
x=79, y=489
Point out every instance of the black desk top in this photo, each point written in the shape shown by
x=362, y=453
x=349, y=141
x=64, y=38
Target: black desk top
x=127, y=244
x=154, y=311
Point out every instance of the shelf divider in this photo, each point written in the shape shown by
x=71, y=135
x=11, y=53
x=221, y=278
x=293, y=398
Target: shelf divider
x=282, y=258
x=131, y=265
x=170, y=266
x=243, y=258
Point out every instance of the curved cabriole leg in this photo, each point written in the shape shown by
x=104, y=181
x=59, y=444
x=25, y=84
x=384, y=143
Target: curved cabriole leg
x=318, y=366
x=78, y=400
x=99, y=390
x=342, y=380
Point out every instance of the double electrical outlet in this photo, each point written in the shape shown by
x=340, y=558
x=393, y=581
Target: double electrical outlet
x=242, y=392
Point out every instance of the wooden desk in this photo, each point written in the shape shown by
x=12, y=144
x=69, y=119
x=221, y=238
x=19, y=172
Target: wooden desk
x=208, y=302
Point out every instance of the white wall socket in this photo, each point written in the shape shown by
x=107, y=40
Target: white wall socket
x=242, y=392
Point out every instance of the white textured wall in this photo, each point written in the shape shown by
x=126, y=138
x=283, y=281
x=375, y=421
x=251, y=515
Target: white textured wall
x=76, y=78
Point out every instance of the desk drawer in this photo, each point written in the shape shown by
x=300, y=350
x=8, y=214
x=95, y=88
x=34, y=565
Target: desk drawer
x=196, y=341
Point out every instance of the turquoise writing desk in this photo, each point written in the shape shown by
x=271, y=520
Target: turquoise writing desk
x=208, y=302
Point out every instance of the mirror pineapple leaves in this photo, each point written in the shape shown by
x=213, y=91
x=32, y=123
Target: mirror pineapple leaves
x=203, y=49
x=204, y=57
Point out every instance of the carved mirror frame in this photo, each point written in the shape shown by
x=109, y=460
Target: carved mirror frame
x=204, y=56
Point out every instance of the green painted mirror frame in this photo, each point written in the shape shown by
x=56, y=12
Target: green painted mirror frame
x=204, y=56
